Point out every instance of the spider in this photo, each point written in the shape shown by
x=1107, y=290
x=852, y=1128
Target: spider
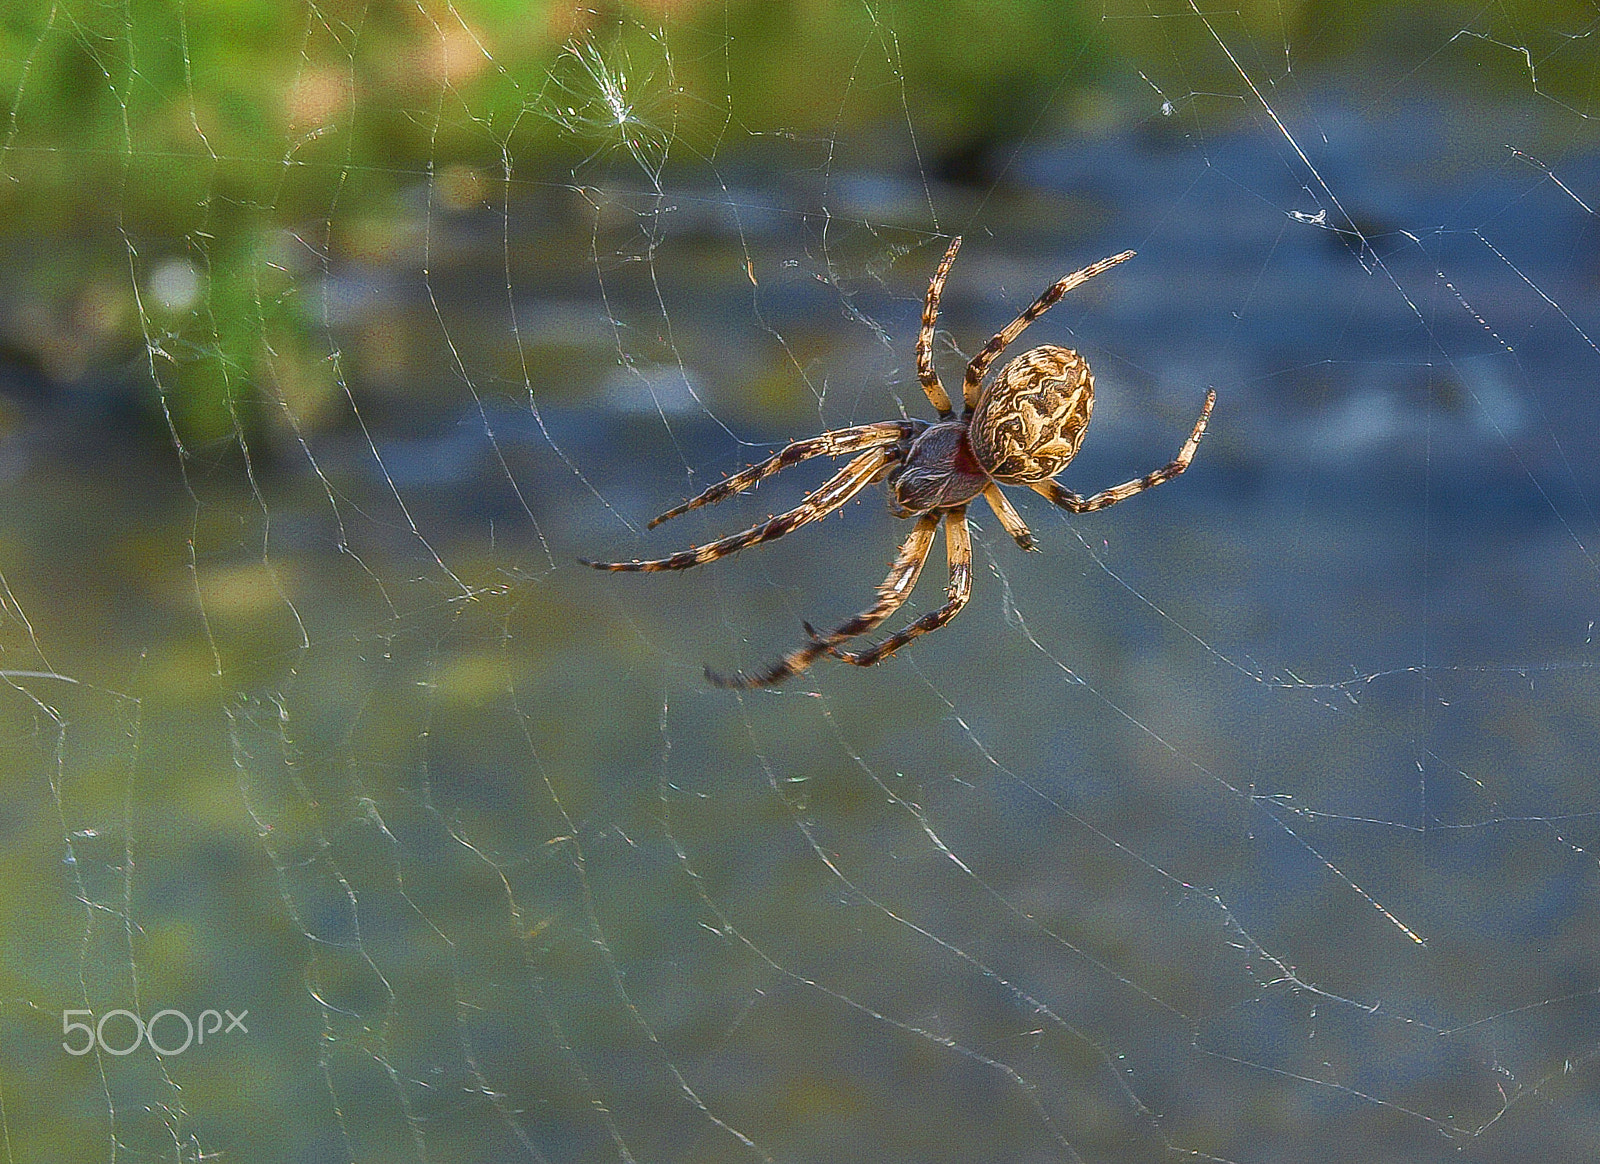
x=1022, y=429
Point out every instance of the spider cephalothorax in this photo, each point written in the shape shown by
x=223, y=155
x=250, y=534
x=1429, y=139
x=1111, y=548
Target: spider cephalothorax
x=1027, y=425
x=1022, y=429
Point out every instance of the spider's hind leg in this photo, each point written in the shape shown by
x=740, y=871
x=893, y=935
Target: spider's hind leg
x=1010, y=519
x=937, y=396
x=979, y=366
x=1069, y=500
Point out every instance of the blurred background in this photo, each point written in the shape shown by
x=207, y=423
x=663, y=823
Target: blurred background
x=1252, y=820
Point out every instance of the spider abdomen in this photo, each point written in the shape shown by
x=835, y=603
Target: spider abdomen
x=1031, y=419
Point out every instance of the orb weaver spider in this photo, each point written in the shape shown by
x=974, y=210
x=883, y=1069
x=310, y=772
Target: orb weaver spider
x=1022, y=429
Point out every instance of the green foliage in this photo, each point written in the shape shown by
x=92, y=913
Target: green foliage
x=243, y=137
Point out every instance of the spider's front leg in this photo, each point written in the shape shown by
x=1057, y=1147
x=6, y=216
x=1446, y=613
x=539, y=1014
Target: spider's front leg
x=958, y=549
x=829, y=444
x=892, y=593
x=833, y=493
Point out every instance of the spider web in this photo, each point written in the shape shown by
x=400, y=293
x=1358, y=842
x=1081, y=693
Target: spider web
x=1250, y=820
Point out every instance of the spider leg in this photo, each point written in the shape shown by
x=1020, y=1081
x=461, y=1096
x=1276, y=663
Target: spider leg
x=958, y=547
x=937, y=396
x=1010, y=519
x=891, y=596
x=832, y=494
x=1070, y=500
x=829, y=444
x=980, y=362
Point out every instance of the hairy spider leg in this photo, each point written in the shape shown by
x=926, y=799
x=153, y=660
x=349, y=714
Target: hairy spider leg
x=832, y=494
x=937, y=396
x=830, y=444
x=1010, y=520
x=1067, y=499
x=958, y=548
x=979, y=366
x=893, y=592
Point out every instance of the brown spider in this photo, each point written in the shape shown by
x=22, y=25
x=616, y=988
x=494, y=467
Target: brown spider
x=1020, y=430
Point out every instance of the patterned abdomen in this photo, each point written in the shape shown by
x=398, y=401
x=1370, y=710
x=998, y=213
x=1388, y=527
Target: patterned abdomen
x=1031, y=419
